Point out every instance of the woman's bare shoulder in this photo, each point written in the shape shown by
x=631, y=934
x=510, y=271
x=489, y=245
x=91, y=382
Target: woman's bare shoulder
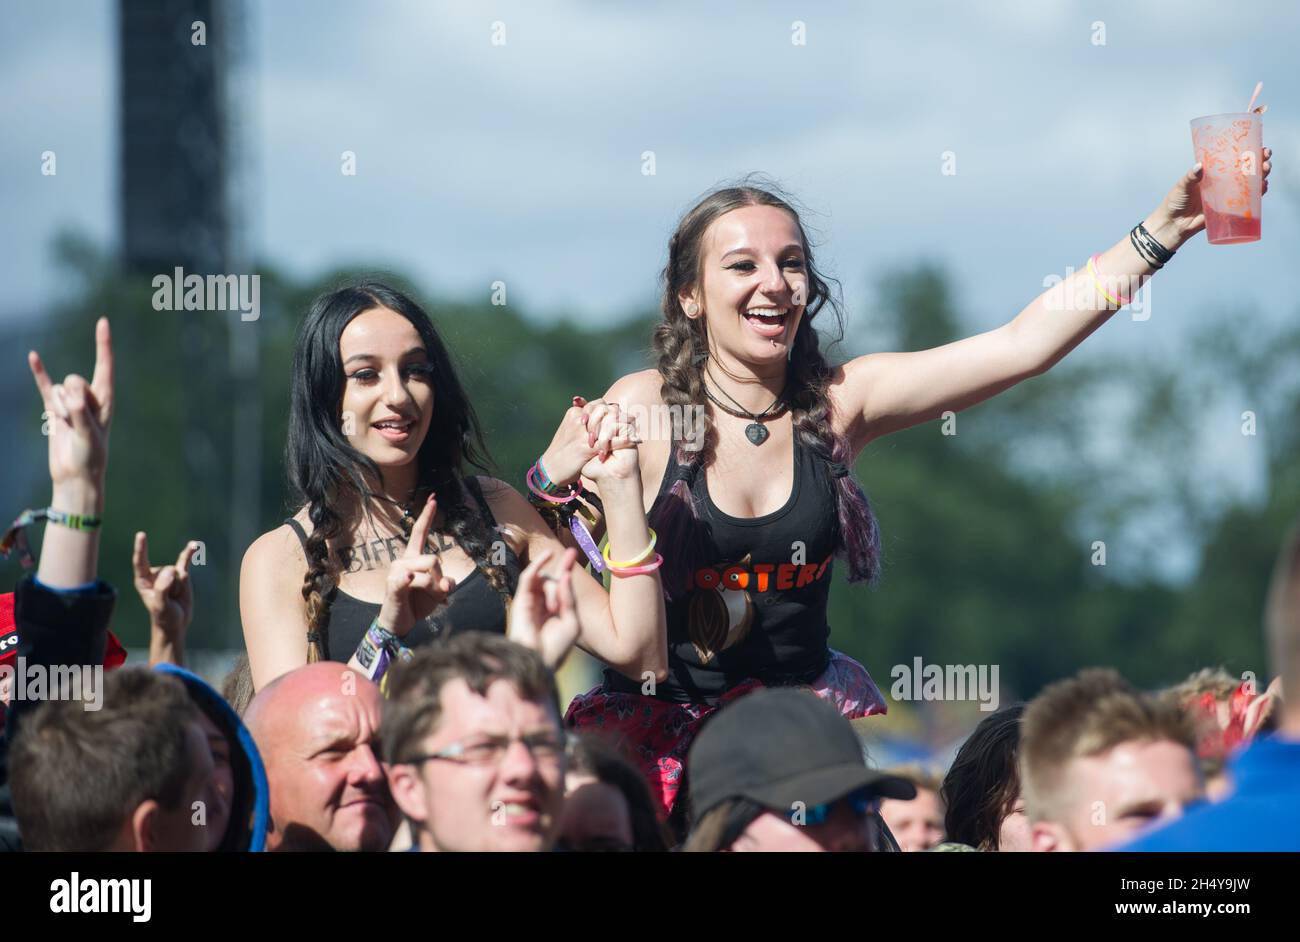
x=279, y=549
x=639, y=388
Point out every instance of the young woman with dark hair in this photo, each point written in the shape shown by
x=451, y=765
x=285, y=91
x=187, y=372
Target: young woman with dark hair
x=750, y=513
x=381, y=435
x=981, y=792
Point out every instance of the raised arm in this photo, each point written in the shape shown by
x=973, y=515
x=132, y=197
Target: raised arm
x=625, y=627
x=885, y=392
x=79, y=416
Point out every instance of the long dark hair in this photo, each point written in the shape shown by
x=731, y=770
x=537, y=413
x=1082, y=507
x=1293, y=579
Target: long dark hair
x=591, y=755
x=681, y=346
x=336, y=482
x=983, y=783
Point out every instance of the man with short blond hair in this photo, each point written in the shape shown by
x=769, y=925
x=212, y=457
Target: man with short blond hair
x=1100, y=760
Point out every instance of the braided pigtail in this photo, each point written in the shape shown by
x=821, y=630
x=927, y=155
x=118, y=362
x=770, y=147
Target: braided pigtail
x=321, y=581
x=858, y=538
x=681, y=347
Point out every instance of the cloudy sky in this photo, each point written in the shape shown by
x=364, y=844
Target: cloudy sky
x=523, y=161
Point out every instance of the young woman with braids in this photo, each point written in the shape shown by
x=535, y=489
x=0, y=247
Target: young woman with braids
x=380, y=434
x=749, y=522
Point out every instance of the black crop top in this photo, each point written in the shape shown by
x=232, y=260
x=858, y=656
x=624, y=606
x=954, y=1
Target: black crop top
x=759, y=610
x=473, y=604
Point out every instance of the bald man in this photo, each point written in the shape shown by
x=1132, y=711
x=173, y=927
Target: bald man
x=316, y=728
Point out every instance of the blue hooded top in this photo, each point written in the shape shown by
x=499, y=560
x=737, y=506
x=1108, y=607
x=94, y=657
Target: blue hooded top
x=250, y=807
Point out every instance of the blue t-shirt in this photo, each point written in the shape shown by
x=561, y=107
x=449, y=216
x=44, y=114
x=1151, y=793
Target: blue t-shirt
x=1262, y=813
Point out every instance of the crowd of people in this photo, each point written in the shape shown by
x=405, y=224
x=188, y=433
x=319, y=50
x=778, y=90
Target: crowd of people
x=404, y=626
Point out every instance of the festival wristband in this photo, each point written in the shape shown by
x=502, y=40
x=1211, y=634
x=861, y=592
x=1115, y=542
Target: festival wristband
x=16, y=536
x=638, y=570
x=640, y=557
x=536, y=489
x=377, y=650
x=543, y=478
x=1118, y=301
x=587, y=542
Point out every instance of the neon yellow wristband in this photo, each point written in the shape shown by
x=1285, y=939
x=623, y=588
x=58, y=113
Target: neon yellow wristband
x=640, y=557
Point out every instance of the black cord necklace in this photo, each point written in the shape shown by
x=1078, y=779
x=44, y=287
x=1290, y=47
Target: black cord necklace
x=407, y=523
x=755, y=431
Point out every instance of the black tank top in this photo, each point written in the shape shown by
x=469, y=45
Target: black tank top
x=759, y=609
x=473, y=604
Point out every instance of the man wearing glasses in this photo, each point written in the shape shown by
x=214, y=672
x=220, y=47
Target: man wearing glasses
x=781, y=770
x=472, y=736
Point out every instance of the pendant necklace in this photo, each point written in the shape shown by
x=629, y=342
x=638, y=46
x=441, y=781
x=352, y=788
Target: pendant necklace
x=755, y=431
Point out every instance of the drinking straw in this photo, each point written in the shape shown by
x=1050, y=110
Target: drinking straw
x=1258, y=88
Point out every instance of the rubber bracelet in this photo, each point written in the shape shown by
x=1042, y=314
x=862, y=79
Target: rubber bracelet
x=1092, y=267
x=640, y=557
x=637, y=570
x=528, y=479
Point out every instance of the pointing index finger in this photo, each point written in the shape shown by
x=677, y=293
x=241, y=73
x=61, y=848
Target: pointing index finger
x=420, y=531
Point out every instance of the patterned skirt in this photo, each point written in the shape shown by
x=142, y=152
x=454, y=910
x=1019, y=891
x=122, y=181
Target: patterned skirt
x=655, y=735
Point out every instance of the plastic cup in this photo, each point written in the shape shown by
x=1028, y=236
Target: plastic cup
x=1230, y=147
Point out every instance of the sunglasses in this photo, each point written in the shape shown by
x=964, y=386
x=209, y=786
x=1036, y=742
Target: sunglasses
x=863, y=803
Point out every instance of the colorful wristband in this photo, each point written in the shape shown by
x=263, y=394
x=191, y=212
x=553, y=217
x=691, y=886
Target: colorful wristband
x=543, y=478
x=15, y=538
x=640, y=557
x=537, y=489
x=377, y=650
x=587, y=542
x=1118, y=301
x=638, y=570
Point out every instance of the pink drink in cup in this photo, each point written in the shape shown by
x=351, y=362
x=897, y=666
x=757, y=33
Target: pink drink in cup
x=1230, y=147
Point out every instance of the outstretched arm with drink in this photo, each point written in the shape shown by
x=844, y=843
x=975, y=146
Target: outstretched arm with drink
x=886, y=392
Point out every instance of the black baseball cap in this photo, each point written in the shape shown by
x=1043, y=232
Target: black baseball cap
x=778, y=746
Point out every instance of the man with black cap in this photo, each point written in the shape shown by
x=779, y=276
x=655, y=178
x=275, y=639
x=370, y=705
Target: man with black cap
x=782, y=770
